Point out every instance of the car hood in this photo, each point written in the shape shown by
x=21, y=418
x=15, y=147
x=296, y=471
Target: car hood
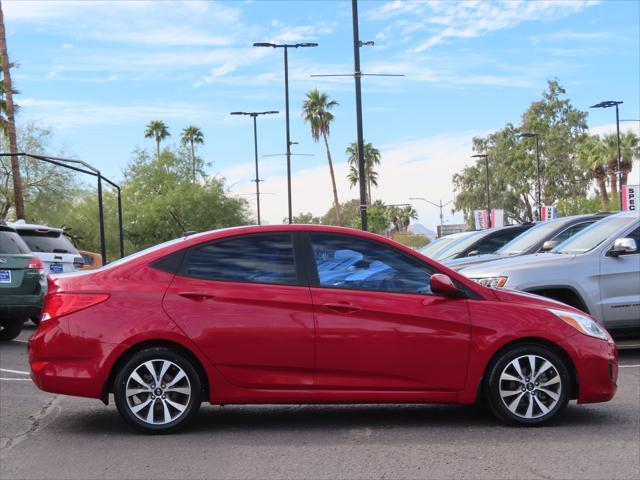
x=467, y=262
x=512, y=296
x=511, y=264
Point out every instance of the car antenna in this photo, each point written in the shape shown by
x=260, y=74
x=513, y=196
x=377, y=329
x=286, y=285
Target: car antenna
x=185, y=232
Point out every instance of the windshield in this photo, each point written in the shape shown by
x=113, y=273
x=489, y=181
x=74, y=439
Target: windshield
x=456, y=247
x=593, y=235
x=528, y=239
x=50, y=242
x=12, y=244
x=443, y=242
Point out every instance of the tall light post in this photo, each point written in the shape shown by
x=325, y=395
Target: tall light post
x=254, y=115
x=486, y=163
x=438, y=205
x=609, y=104
x=538, y=188
x=286, y=47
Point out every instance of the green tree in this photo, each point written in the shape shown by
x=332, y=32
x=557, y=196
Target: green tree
x=304, y=219
x=401, y=217
x=191, y=136
x=349, y=215
x=157, y=130
x=592, y=156
x=371, y=159
x=157, y=190
x=378, y=217
x=316, y=112
x=48, y=190
x=512, y=161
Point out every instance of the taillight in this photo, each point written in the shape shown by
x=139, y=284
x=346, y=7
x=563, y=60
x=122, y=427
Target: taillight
x=35, y=264
x=59, y=304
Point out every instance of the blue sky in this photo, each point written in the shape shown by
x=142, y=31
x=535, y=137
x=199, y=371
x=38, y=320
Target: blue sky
x=98, y=72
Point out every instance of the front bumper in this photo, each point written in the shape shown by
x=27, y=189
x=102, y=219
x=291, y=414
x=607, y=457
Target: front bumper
x=596, y=363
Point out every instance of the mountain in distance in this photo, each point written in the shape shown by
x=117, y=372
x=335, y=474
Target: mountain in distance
x=419, y=229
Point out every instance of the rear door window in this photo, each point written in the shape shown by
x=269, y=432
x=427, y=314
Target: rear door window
x=12, y=244
x=249, y=259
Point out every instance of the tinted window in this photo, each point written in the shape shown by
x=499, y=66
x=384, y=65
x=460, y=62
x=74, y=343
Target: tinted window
x=12, y=244
x=51, y=242
x=351, y=263
x=493, y=242
x=593, y=235
x=571, y=231
x=255, y=259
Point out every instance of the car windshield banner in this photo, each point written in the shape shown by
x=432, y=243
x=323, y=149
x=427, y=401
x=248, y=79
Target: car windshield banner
x=549, y=212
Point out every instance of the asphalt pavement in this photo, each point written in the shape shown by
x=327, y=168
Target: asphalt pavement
x=57, y=437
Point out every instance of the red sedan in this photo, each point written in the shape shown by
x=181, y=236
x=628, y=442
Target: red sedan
x=309, y=314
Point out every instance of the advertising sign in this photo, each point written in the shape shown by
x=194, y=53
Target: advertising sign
x=482, y=220
x=630, y=197
x=548, y=213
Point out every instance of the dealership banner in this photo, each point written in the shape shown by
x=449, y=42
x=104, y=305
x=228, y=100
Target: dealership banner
x=482, y=220
x=549, y=212
x=630, y=197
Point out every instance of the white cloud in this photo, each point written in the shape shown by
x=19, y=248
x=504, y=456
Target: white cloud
x=71, y=114
x=441, y=21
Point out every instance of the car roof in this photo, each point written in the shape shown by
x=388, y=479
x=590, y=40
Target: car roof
x=33, y=226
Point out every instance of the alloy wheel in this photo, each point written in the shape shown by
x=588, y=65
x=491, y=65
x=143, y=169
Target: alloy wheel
x=530, y=386
x=158, y=392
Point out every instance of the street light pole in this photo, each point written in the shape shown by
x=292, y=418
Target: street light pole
x=486, y=163
x=286, y=47
x=539, y=187
x=609, y=104
x=254, y=115
x=440, y=205
x=356, y=76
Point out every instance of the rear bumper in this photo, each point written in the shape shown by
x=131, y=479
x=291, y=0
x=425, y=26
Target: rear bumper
x=69, y=365
x=20, y=307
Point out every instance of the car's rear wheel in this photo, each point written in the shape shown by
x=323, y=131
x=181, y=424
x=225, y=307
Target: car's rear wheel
x=10, y=331
x=35, y=320
x=157, y=390
x=527, y=385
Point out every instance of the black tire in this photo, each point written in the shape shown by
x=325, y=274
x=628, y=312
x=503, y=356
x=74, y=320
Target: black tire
x=35, y=320
x=10, y=331
x=159, y=402
x=554, y=397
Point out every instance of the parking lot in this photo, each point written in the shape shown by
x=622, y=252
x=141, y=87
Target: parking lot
x=43, y=435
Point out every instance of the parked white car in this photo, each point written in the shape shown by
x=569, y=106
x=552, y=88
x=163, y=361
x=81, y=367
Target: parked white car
x=597, y=271
x=51, y=246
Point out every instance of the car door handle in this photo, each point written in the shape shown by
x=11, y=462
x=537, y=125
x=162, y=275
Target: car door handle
x=196, y=296
x=342, y=307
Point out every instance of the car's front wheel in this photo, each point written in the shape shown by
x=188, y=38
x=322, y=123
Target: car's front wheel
x=157, y=390
x=527, y=385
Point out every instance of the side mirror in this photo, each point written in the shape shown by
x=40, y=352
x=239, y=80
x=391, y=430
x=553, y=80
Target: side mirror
x=622, y=246
x=549, y=245
x=442, y=284
x=473, y=253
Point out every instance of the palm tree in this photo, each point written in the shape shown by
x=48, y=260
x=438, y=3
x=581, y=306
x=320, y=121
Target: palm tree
x=10, y=120
x=157, y=130
x=316, y=112
x=192, y=135
x=592, y=155
x=371, y=158
x=401, y=217
x=629, y=151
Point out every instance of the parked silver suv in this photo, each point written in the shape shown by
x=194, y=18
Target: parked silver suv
x=597, y=271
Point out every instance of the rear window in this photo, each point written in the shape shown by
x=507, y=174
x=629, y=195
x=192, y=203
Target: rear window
x=12, y=244
x=50, y=242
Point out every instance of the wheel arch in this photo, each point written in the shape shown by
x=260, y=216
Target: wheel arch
x=158, y=343
x=562, y=292
x=557, y=349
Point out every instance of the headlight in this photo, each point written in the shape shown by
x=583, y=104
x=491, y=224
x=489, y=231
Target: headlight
x=492, y=282
x=582, y=323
